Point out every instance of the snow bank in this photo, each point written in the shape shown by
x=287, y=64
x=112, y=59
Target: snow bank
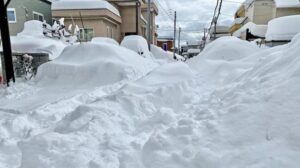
x=137, y=44
x=32, y=40
x=165, y=75
x=84, y=4
x=159, y=53
x=96, y=40
x=224, y=59
x=283, y=28
x=93, y=65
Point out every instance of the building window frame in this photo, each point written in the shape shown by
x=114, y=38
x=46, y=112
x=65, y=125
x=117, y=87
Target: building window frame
x=15, y=15
x=39, y=15
x=82, y=36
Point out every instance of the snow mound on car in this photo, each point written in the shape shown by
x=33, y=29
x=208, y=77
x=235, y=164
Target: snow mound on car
x=93, y=65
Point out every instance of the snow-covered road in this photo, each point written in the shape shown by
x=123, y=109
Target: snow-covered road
x=233, y=106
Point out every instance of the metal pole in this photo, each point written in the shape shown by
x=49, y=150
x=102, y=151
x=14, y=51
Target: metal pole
x=179, y=40
x=137, y=17
x=149, y=24
x=7, y=53
x=174, y=40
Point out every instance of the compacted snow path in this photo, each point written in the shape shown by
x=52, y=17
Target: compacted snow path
x=234, y=105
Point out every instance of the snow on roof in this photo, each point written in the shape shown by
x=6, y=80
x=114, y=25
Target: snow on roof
x=279, y=3
x=283, y=28
x=84, y=4
x=287, y=3
x=254, y=29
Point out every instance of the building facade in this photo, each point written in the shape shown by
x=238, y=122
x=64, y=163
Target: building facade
x=98, y=19
x=112, y=18
x=260, y=12
x=20, y=11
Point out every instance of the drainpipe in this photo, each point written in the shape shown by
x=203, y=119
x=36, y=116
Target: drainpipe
x=137, y=17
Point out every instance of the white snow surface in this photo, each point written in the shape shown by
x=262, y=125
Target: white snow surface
x=32, y=40
x=84, y=4
x=235, y=105
x=283, y=28
x=96, y=40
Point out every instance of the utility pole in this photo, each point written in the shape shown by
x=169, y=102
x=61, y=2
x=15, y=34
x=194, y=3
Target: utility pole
x=179, y=40
x=204, y=39
x=149, y=25
x=174, y=40
x=7, y=53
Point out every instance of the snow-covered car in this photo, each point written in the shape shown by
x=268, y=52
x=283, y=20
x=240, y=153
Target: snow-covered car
x=89, y=64
x=107, y=40
x=137, y=44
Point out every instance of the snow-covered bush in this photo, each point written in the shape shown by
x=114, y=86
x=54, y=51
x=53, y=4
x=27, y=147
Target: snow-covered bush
x=33, y=40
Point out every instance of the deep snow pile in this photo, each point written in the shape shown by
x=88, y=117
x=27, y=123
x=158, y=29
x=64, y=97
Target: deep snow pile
x=32, y=40
x=283, y=28
x=234, y=105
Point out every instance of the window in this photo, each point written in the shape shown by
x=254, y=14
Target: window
x=86, y=34
x=11, y=15
x=38, y=16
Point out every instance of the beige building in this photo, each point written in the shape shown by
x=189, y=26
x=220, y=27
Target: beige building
x=260, y=12
x=112, y=18
x=134, y=17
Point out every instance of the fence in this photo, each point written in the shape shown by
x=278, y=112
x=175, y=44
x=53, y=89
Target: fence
x=25, y=64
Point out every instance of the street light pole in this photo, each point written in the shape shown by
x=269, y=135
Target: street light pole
x=179, y=40
x=174, y=42
x=8, y=72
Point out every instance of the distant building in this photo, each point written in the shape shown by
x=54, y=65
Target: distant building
x=166, y=43
x=259, y=13
x=20, y=11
